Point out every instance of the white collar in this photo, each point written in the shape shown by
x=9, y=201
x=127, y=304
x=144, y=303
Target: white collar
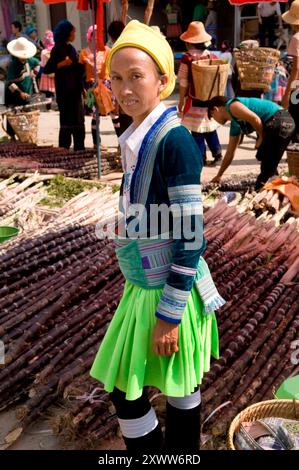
x=133, y=136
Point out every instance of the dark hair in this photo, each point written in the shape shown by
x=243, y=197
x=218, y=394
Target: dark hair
x=217, y=101
x=226, y=45
x=115, y=29
x=62, y=31
x=17, y=24
x=200, y=46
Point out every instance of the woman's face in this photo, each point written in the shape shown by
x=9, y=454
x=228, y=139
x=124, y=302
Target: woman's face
x=220, y=115
x=136, y=82
x=72, y=35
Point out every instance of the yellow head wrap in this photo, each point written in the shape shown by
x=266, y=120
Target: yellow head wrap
x=143, y=37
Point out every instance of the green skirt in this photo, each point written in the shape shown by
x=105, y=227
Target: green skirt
x=126, y=360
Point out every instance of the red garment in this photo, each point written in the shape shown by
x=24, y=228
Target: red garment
x=243, y=2
x=84, y=5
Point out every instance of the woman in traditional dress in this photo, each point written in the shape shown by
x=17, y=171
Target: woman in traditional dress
x=164, y=330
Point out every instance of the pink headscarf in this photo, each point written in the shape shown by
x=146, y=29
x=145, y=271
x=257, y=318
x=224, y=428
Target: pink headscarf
x=90, y=32
x=48, y=40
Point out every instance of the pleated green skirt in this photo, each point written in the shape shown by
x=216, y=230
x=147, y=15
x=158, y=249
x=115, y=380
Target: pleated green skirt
x=126, y=360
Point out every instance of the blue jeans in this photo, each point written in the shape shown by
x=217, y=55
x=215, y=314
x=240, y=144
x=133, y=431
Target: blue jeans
x=211, y=139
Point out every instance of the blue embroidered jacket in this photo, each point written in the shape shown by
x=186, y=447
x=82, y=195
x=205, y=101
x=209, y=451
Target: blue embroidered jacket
x=168, y=172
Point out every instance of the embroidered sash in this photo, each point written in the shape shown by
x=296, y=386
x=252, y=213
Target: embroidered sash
x=142, y=175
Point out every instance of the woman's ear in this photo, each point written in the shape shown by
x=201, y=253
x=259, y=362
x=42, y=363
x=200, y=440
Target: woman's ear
x=164, y=82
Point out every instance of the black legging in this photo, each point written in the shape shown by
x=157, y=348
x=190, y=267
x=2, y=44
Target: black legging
x=71, y=113
x=278, y=132
x=182, y=427
x=267, y=26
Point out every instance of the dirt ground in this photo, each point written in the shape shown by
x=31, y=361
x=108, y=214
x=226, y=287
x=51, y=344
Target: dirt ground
x=244, y=162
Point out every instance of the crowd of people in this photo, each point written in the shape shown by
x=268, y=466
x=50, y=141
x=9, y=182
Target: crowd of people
x=52, y=66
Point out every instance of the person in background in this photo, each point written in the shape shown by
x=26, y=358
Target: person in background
x=173, y=13
x=200, y=11
x=69, y=86
x=21, y=71
x=16, y=30
x=273, y=124
x=194, y=112
x=121, y=120
x=278, y=84
x=31, y=33
x=211, y=23
x=268, y=14
x=226, y=56
x=290, y=98
x=47, y=82
x=86, y=58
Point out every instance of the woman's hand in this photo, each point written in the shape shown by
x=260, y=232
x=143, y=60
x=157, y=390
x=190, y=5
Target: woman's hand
x=181, y=107
x=259, y=141
x=24, y=95
x=165, y=338
x=216, y=179
x=65, y=63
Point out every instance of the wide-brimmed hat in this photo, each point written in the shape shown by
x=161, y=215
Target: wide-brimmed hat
x=196, y=34
x=21, y=48
x=292, y=15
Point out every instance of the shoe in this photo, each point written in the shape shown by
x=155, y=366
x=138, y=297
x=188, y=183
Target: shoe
x=218, y=157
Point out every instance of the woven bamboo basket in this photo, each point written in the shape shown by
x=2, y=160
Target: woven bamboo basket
x=25, y=125
x=293, y=162
x=288, y=409
x=209, y=78
x=256, y=67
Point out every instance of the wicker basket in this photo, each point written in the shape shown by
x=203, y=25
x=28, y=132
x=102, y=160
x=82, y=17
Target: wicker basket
x=25, y=125
x=256, y=67
x=293, y=162
x=288, y=409
x=209, y=78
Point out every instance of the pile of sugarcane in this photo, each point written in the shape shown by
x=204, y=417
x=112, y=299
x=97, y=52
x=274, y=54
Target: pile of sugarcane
x=265, y=205
x=236, y=183
x=272, y=205
x=18, y=157
x=19, y=206
x=19, y=198
x=256, y=267
x=58, y=293
x=89, y=207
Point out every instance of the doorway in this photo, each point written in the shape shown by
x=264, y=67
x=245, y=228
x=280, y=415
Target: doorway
x=57, y=13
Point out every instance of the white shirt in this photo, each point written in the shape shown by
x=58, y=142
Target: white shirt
x=130, y=142
x=266, y=9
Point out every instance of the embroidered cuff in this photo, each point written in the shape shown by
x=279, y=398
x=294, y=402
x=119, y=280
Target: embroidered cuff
x=185, y=200
x=206, y=288
x=172, y=304
x=13, y=87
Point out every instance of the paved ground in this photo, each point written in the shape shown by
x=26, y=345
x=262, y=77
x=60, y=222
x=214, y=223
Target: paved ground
x=243, y=164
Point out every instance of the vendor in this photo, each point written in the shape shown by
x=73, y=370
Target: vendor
x=273, y=124
x=20, y=78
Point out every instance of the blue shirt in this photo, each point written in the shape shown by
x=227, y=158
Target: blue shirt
x=264, y=109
